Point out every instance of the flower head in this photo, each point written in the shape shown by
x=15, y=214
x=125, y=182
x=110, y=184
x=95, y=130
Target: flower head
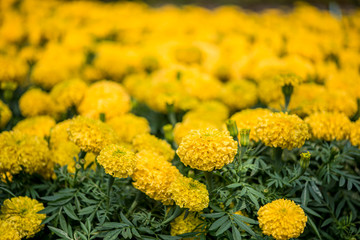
x=8, y=232
x=37, y=126
x=183, y=128
x=207, y=149
x=117, y=161
x=153, y=175
x=151, y=143
x=239, y=94
x=21, y=214
x=91, y=135
x=5, y=114
x=355, y=133
x=282, y=130
x=187, y=225
x=282, y=219
x=189, y=193
x=329, y=126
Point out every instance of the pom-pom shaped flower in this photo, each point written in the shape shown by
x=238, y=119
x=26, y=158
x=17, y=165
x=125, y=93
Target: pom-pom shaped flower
x=282, y=130
x=329, y=126
x=239, y=94
x=37, y=126
x=207, y=149
x=21, y=213
x=181, y=129
x=107, y=97
x=189, y=193
x=36, y=102
x=187, y=225
x=91, y=135
x=248, y=119
x=5, y=114
x=355, y=133
x=117, y=161
x=128, y=126
x=282, y=219
x=153, y=175
x=68, y=93
x=19, y=150
x=151, y=143
x=8, y=232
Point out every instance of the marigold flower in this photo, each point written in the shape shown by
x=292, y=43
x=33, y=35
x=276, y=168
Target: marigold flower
x=107, y=97
x=128, y=126
x=248, y=119
x=355, y=133
x=19, y=150
x=329, y=126
x=117, y=161
x=68, y=93
x=151, y=143
x=282, y=219
x=189, y=193
x=8, y=232
x=37, y=126
x=35, y=102
x=153, y=175
x=239, y=94
x=207, y=149
x=282, y=130
x=91, y=135
x=187, y=225
x=21, y=213
x=183, y=128
x=5, y=114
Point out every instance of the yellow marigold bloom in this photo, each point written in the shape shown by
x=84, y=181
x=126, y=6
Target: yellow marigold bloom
x=248, y=119
x=153, y=175
x=282, y=219
x=117, y=161
x=189, y=193
x=151, y=143
x=181, y=129
x=12, y=70
x=59, y=133
x=355, y=133
x=190, y=224
x=91, y=135
x=239, y=94
x=207, y=149
x=128, y=126
x=211, y=111
x=37, y=126
x=282, y=130
x=19, y=150
x=68, y=93
x=36, y=102
x=106, y=97
x=8, y=232
x=289, y=78
x=5, y=114
x=329, y=126
x=21, y=213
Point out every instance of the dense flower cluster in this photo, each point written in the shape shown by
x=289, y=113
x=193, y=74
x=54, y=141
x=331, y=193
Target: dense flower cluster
x=189, y=224
x=37, y=126
x=282, y=130
x=282, y=219
x=207, y=149
x=21, y=214
x=5, y=114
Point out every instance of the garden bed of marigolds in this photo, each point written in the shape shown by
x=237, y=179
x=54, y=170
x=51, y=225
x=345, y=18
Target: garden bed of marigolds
x=125, y=121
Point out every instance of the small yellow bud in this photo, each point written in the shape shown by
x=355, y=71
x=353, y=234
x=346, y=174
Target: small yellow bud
x=305, y=160
x=168, y=132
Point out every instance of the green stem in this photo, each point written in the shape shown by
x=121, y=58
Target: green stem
x=209, y=182
x=297, y=176
x=276, y=157
x=109, y=188
x=134, y=204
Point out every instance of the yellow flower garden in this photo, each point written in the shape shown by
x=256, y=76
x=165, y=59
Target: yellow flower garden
x=122, y=120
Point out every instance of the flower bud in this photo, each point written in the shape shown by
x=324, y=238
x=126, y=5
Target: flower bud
x=78, y=166
x=244, y=137
x=82, y=161
x=191, y=174
x=305, y=160
x=168, y=132
x=231, y=126
x=102, y=117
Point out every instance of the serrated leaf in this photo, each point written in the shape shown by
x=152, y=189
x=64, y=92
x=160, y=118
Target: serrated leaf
x=313, y=226
x=236, y=233
x=48, y=219
x=125, y=220
x=223, y=228
x=342, y=181
x=59, y=232
x=70, y=212
x=112, y=235
x=305, y=195
x=81, y=235
x=218, y=223
x=87, y=210
x=166, y=237
x=213, y=215
x=48, y=210
x=245, y=219
x=63, y=223
x=234, y=185
x=327, y=222
x=244, y=227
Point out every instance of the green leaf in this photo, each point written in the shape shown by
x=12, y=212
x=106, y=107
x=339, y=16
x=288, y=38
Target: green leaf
x=70, y=212
x=305, y=195
x=59, y=232
x=63, y=223
x=313, y=226
x=81, y=235
x=223, y=228
x=244, y=227
x=213, y=215
x=327, y=222
x=245, y=219
x=48, y=219
x=48, y=210
x=166, y=237
x=112, y=235
x=234, y=185
x=125, y=220
x=342, y=181
x=218, y=223
x=236, y=233
x=310, y=211
x=87, y=210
